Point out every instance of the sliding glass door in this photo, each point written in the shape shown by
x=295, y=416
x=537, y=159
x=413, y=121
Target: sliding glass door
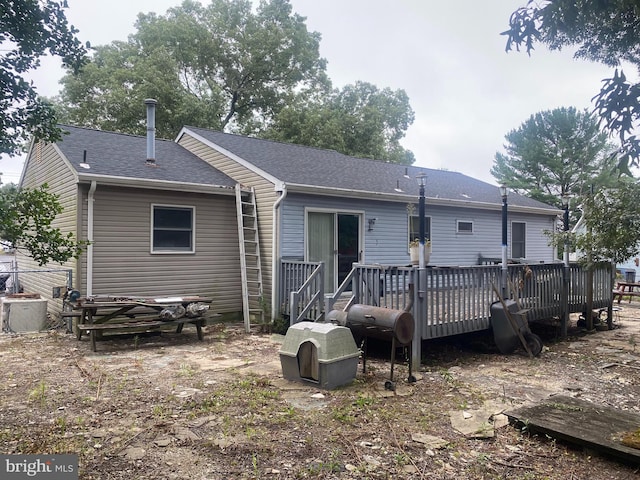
x=333, y=238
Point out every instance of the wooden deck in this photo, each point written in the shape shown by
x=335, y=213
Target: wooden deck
x=447, y=301
x=597, y=427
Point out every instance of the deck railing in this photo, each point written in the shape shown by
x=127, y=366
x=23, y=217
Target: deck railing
x=302, y=290
x=458, y=299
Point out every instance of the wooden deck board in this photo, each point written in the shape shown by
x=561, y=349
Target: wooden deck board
x=594, y=426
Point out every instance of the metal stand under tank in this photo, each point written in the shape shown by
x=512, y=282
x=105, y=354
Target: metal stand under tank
x=322, y=354
x=384, y=323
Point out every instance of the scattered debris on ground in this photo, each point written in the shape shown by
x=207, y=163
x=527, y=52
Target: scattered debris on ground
x=170, y=407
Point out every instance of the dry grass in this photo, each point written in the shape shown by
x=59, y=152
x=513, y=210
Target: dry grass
x=220, y=409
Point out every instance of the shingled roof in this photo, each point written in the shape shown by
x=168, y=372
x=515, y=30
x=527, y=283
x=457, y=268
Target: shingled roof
x=121, y=156
x=298, y=165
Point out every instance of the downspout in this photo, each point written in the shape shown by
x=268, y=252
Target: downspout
x=90, y=200
x=275, y=252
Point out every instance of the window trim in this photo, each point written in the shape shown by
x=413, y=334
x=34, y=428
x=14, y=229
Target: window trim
x=524, y=239
x=464, y=232
x=152, y=248
x=428, y=225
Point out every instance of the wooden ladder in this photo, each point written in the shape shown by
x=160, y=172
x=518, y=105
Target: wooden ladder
x=250, y=264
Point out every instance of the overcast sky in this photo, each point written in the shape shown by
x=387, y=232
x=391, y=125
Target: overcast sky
x=449, y=57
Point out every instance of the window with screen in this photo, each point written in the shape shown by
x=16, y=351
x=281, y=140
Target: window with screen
x=172, y=229
x=414, y=228
x=465, y=227
x=518, y=240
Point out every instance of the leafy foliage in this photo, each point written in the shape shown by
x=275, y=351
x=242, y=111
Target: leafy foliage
x=618, y=105
x=26, y=218
x=612, y=221
x=605, y=32
x=360, y=120
x=215, y=66
x=28, y=30
x=227, y=68
x=554, y=153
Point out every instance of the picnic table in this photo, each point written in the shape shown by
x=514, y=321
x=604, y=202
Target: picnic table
x=125, y=314
x=626, y=289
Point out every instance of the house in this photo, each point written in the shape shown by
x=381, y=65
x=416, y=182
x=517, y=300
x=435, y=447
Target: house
x=169, y=224
x=320, y=205
x=161, y=223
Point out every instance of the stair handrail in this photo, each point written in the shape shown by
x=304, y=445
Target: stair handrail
x=355, y=293
x=317, y=297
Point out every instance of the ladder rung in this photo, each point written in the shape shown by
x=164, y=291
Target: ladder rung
x=247, y=213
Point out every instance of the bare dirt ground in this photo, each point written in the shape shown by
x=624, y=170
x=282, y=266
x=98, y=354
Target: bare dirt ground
x=170, y=407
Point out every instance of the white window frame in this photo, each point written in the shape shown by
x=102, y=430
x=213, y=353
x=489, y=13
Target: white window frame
x=359, y=213
x=428, y=224
x=464, y=232
x=524, y=240
x=168, y=251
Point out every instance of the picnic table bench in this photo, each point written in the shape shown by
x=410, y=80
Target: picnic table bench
x=626, y=289
x=127, y=314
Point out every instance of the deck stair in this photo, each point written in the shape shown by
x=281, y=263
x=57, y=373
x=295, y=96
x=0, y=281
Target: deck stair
x=250, y=263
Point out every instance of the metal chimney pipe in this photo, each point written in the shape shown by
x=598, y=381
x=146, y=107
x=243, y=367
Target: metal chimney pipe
x=151, y=130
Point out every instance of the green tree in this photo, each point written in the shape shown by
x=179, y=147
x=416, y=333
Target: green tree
x=612, y=223
x=26, y=218
x=601, y=31
x=554, y=153
x=360, y=120
x=30, y=29
x=219, y=66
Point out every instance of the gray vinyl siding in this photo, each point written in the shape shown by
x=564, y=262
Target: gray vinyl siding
x=123, y=264
x=44, y=165
x=453, y=248
x=265, y=198
x=386, y=244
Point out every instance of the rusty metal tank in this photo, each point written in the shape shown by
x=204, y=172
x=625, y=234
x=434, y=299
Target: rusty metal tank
x=382, y=323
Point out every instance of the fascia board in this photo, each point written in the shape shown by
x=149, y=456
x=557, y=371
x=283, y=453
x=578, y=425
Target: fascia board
x=26, y=163
x=156, y=184
x=342, y=192
x=69, y=165
x=29, y=158
x=248, y=165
